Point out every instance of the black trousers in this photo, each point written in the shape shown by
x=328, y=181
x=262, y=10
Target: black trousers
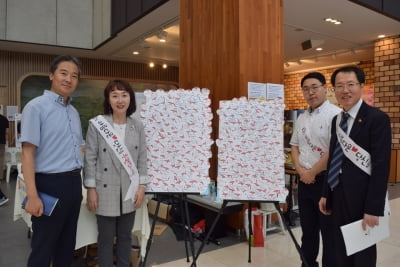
x=53, y=239
x=341, y=216
x=313, y=222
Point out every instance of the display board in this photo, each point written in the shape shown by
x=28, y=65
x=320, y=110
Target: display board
x=250, y=150
x=178, y=135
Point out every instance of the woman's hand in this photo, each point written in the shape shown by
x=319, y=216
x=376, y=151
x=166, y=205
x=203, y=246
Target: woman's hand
x=92, y=199
x=139, y=196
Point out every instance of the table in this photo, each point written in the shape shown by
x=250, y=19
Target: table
x=209, y=203
x=86, y=233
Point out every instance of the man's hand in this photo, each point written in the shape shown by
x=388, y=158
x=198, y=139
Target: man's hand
x=34, y=206
x=306, y=176
x=369, y=220
x=322, y=206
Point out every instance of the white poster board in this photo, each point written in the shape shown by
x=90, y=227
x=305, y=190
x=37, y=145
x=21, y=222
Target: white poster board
x=250, y=150
x=178, y=135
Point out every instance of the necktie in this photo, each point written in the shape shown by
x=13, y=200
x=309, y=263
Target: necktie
x=337, y=158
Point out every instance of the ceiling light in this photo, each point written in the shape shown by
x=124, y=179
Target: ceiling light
x=380, y=36
x=162, y=35
x=333, y=21
x=151, y=64
x=164, y=66
x=135, y=52
x=287, y=64
x=319, y=49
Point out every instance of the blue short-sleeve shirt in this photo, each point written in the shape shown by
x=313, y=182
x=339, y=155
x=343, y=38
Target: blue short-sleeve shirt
x=55, y=129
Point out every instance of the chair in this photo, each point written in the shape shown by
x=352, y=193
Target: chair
x=12, y=158
x=267, y=210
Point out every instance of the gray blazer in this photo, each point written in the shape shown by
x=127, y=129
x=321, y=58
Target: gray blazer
x=103, y=171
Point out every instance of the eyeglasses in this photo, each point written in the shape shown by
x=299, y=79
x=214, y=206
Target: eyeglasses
x=349, y=86
x=311, y=89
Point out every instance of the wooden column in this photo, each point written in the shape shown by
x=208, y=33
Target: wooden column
x=226, y=43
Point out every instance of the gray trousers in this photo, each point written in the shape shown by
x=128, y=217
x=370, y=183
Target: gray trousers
x=117, y=228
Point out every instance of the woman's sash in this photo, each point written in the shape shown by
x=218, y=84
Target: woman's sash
x=121, y=151
x=359, y=156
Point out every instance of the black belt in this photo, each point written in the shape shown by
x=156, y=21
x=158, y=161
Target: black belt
x=321, y=174
x=73, y=172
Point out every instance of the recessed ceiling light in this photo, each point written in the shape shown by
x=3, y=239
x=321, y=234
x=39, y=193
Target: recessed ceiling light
x=319, y=49
x=334, y=21
x=135, y=52
x=164, y=66
x=151, y=64
x=162, y=40
x=381, y=36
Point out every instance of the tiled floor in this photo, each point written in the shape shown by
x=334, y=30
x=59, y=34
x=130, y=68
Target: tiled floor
x=278, y=251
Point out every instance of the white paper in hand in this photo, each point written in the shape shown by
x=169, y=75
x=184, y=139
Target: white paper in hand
x=356, y=239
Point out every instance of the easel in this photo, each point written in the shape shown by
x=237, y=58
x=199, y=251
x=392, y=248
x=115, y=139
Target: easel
x=185, y=222
x=225, y=202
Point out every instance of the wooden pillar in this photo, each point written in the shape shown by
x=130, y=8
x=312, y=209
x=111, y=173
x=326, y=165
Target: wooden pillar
x=226, y=43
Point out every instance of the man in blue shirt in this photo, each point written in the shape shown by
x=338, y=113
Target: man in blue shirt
x=51, y=138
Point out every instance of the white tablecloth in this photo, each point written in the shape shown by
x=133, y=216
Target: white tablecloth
x=86, y=233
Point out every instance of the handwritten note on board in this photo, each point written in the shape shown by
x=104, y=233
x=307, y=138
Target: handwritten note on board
x=250, y=150
x=178, y=135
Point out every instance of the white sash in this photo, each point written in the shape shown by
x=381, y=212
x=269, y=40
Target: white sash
x=314, y=148
x=121, y=151
x=360, y=157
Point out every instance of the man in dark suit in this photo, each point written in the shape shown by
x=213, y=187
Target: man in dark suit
x=357, y=192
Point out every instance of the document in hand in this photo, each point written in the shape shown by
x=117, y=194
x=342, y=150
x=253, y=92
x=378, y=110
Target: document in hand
x=356, y=239
x=49, y=203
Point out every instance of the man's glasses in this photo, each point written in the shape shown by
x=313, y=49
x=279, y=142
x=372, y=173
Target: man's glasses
x=311, y=89
x=350, y=86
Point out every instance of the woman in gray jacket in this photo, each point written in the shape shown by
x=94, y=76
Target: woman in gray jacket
x=109, y=172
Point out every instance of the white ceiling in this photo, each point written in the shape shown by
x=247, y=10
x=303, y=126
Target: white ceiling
x=352, y=41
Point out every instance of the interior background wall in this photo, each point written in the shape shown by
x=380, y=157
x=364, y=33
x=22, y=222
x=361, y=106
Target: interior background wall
x=16, y=66
x=384, y=73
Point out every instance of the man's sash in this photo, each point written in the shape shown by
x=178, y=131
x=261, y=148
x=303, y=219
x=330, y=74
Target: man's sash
x=314, y=148
x=121, y=151
x=359, y=156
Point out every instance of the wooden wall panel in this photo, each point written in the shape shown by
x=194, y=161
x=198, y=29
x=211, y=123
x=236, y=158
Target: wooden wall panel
x=226, y=43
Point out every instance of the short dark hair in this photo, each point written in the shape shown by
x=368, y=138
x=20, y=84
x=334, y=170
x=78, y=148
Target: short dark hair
x=63, y=58
x=357, y=71
x=123, y=86
x=314, y=75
